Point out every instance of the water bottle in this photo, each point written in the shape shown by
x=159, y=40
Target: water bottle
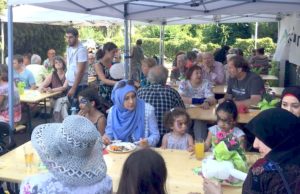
x=73, y=110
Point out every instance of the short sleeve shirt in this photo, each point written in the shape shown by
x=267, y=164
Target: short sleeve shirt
x=240, y=90
x=26, y=76
x=202, y=91
x=76, y=55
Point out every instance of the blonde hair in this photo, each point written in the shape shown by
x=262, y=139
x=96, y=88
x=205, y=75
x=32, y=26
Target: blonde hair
x=150, y=62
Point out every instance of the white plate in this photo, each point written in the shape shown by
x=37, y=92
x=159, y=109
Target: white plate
x=127, y=147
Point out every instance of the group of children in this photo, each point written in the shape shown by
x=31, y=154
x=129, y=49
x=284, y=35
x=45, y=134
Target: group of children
x=177, y=121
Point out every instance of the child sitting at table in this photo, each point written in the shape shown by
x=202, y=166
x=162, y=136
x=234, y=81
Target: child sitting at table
x=147, y=64
x=177, y=120
x=227, y=114
x=139, y=176
x=90, y=104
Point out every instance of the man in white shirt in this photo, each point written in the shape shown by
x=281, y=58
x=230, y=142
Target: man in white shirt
x=77, y=68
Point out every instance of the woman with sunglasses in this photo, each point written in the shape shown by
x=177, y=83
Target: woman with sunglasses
x=130, y=119
x=90, y=104
x=277, y=134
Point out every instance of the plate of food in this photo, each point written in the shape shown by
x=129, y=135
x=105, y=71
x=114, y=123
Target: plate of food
x=121, y=147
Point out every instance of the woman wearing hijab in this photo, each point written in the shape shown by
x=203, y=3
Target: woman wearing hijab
x=277, y=133
x=130, y=119
x=290, y=100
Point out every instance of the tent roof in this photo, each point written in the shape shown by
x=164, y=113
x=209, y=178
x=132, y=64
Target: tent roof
x=41, y=15
x=170, y=11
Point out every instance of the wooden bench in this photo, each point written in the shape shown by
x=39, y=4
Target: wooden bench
x=20, y=128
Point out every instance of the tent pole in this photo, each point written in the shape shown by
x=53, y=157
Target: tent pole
x=255, y=36
x=161, y=45
x=2, y=41
x=10, y=69
x=126, y=46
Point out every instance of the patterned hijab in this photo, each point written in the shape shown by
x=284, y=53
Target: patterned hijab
x=127, y=125
x=279, y=130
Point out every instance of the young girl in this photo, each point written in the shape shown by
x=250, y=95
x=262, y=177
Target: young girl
x=139, y=176
x=227, y=114
x=177, y=120
x=89, y=103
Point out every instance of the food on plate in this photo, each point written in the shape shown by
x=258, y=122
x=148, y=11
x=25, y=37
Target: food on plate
x=117, y=148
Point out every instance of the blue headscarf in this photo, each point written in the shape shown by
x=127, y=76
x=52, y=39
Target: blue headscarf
x=127, y=123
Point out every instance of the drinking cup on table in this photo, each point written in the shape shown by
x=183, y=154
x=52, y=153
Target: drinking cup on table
x=28, y=156
x=199, y=149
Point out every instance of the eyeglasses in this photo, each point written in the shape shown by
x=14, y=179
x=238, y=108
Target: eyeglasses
x=83, y=101
x=123, y=83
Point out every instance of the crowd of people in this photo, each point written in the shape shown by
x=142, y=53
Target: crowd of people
x=147, y=111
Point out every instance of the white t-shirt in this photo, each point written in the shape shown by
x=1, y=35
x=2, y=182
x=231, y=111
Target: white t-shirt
x=76, y=55
x=237, y=132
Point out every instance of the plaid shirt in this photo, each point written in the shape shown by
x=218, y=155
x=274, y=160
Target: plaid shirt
x=163, y=99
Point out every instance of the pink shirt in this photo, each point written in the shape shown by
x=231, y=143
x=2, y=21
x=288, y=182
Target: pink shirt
x=217, y=75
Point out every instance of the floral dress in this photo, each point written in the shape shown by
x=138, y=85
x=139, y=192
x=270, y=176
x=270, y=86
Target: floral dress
x=104, y=89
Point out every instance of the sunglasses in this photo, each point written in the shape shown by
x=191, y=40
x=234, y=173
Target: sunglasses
x=123, y=83
x=83, y=101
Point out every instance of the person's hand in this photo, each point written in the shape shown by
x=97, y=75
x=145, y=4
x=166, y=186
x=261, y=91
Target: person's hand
x=144, y=143
x=106, y=140
x=212, y=187
x=49, y=90
x=137, y=84
x=71, y=92
x=191, y=149
x=205, y=105
x=81, y=113
x=221, y=100
x=42, y=90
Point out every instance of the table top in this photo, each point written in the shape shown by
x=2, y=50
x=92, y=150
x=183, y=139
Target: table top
x=34, y=96
x=221, y=89
x=181, y=179
x=198, y=113
x=269, y=77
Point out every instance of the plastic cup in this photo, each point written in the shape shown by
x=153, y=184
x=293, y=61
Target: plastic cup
x=199, y=149
x=28, y=156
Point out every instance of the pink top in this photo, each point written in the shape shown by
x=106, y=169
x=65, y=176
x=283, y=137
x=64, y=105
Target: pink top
x=217, y=75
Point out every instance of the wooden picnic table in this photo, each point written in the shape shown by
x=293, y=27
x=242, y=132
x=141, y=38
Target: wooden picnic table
x=181, y=179
x=198, y=113
x=35, y=96
x=221, y=89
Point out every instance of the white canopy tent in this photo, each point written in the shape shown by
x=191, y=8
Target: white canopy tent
x=162, y=12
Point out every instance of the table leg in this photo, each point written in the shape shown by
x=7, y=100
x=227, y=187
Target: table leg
x=45, y=108
x=29, y=117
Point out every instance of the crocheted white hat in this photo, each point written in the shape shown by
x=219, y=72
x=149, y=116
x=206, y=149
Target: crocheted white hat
x=72, y=150
x=117, y=71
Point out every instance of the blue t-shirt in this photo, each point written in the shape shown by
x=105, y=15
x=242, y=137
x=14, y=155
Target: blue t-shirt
x=26, y=76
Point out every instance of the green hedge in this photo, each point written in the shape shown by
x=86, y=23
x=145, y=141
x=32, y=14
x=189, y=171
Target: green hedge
x=248, y=44
x=34, y=38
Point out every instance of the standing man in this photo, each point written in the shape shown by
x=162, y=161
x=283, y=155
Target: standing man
x=77, y=68
x=137, y=55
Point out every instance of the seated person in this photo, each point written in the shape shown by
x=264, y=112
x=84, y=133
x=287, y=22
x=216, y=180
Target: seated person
x=244, y=87
x=21, y=74
x=178, y=71
x=39, y=71
x=260, y=60
x=196, y=90
x=290, y=100
x=89, y=104
x=144, y=171
x=72, y=152
x=130, y=119
x=212, y=70
x=91, y=64
x=227, y=115
x=147, y=64
x=57, y=82
x=177, y=121
x=49, y=62
x=4, y=106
